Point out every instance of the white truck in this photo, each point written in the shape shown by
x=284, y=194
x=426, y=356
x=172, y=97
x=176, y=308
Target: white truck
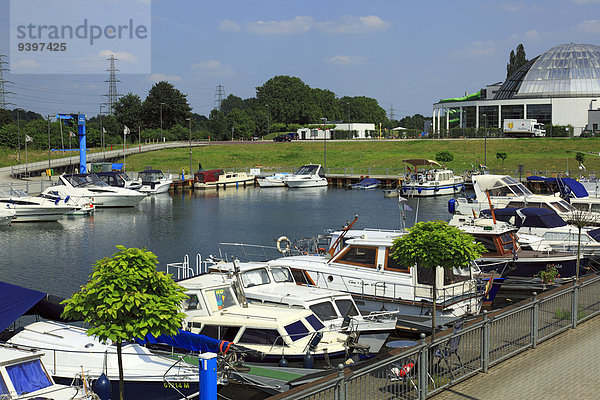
x=523, y=127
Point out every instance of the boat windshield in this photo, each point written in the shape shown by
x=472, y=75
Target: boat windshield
x=124, y=176
x=96, y=181
x=78, y=180
x=562, y=206
x=220, y=299
x=151, y=176
x=325, y=311
x=255, y=277
x=346, y=307
x=308, y=170
x=282, y=274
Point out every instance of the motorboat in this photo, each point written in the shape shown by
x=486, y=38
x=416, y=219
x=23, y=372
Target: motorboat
x=309, y=175
x=33, y=209
x=219, y=179
x=68, y=349
x=553, y=231
x=275, y=180
x=507, y=257
x=153, y=181
x=216, y=307
x=366, y=184
x=119, y=179
x=101, y=194
x=434, y=181
x=23, y=375
x=82, y=205
x=569, y=189
x=503, y=191
x=6, y=216
x=275, y=285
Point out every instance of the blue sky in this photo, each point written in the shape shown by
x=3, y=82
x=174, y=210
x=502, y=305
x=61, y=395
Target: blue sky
x=405, y=54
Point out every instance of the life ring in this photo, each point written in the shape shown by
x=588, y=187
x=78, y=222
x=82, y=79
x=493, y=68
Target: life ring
x=283, y=239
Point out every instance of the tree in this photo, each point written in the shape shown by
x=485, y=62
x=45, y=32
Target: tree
x=127, y=298
x=217, y=125
x=580, y=157
x=240, y=124
x=444, y=156
x=363, y=109
x=580, y=219
x=128, y=111
x=501, y=156
x=435, y=244
x=516, y=60
x=289, y=100
x=230, y=103
x=175, y=108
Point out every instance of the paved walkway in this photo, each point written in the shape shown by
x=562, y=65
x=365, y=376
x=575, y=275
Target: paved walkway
x=564, y=367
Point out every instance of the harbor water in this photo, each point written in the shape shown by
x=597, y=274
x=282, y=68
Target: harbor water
x=58, y=257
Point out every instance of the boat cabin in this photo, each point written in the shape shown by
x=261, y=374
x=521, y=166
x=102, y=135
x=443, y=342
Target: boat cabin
x=310, y=169
x=150, y=176
x=208, y=176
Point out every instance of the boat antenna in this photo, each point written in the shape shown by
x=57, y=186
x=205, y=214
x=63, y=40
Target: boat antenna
x=345, y=230
x=403, y=207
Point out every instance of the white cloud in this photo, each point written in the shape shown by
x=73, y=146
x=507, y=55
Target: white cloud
x=121, y=55
x=478, y=48
x=27, y=64
x=352, y=24
x=229, y=26
x=213, y=69
x=299, y=24
x=532, y=35
x=345, y=60
x=590, y=26
x=157, y=77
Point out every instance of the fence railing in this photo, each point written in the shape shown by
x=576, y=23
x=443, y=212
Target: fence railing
x=431, y=366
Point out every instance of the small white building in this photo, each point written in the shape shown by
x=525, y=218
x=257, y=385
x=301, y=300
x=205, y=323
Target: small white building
x=313, y=134
x=358, y=129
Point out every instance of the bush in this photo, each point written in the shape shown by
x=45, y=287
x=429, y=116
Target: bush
x=444, y=156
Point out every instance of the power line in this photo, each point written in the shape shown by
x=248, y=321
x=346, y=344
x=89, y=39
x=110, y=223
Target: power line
x=3, y=83
x=219, y=96
x=112, y=95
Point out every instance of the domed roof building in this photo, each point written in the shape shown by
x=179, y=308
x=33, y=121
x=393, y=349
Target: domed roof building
x=558, y=87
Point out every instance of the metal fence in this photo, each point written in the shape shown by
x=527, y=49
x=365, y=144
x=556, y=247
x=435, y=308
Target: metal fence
x=430, y=367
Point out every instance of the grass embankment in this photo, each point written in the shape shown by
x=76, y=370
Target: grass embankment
x=536, y=154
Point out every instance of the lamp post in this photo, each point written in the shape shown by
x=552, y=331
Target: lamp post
x=161, y=126
x=485, y=140
x=19, y=134
x=324, y=121
x=49, y=166
x=268, y=119
x=101, y=132
x=190, y=125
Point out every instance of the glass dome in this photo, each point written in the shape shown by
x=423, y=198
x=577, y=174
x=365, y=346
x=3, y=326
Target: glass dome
x=567, y=70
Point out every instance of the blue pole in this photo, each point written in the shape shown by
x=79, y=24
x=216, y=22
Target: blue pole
x=207, y=363
x=82, y=144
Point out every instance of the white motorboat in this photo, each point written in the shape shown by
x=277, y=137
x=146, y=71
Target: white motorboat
x=153, y=181
x=6, y=216
x=309, y=175
x=93, y=188
x=83, y=205
x=24, y=376
x=275, y=180
x=219, y=179
x=214, y=309
x=33, y=209
x=68, y=349
x=435, y=181
x=119, y=179
x=275, y=285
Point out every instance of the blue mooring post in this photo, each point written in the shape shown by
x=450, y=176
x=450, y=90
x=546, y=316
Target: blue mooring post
x=82, y=144
x=208, y=376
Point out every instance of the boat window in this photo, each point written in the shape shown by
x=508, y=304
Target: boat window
x=501, y=191
x=359, y=255
x=3, y=388
x=261, y=336
x=346, y=307
x=487, y=242
x=282, y=274
x=424, y=275
x=595, y=207
x=192, y=303
x=296, y=330
x=220, y=332
x=392, y=264
x=507, y=241
x=307, y=170
x=300, y=277
x=220, y=298
x=561, y=207
x=255, y=277
x=315, y=322
x=210, y=331
x=28, y=377
x=324, y=311
x=454, y=275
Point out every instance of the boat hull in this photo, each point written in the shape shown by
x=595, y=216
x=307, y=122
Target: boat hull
x=306, y=183
x=37, y=215
x=265, y=183
x=158, y=188
x=223, y=185
x=116, y=201
x=428, y=190
x=530, y=266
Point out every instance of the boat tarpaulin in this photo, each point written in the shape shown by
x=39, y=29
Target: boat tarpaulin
x=595, y=233
x=575, y=188
x=531, y=217
x=189, y=341
x=16, y=301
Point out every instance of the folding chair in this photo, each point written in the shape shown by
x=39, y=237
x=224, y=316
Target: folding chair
x=449, y=349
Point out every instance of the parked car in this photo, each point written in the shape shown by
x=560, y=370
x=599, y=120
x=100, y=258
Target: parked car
x=287, y=137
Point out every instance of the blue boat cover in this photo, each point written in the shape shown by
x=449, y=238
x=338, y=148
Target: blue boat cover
x=595, y=233
x=369, y=181
x=574, y=187
x=16, y=301
x=528, y=217
x=189, y=341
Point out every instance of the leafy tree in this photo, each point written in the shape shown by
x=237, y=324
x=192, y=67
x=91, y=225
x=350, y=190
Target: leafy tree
x=175, y=108
x=240, y=124
x=363, y=109
x=289, y=100
x=128, y=111
x=217, y=125
x=5, y=117
x=232, y=102
x=127, y=298
x=435, y=244
x=580, y=157
x=516, y=60
x=444, y=156
x=501, y=155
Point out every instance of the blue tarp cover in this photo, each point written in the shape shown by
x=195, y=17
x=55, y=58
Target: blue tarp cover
x=16, y=301
x=534, y=217
x=575, y=187
x=595, y=233
x=189, y=341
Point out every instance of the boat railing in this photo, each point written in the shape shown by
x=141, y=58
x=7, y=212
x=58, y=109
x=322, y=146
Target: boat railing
x=255, y=252
x=184, y=270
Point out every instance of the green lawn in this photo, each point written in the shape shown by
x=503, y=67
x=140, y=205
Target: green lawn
x=536, y=154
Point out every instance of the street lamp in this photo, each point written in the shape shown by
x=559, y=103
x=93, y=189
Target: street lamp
x=485, y=140
x=190, y=120
x=161, y=126
x=49, y=166
x=324, y=121
x=19, y=134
